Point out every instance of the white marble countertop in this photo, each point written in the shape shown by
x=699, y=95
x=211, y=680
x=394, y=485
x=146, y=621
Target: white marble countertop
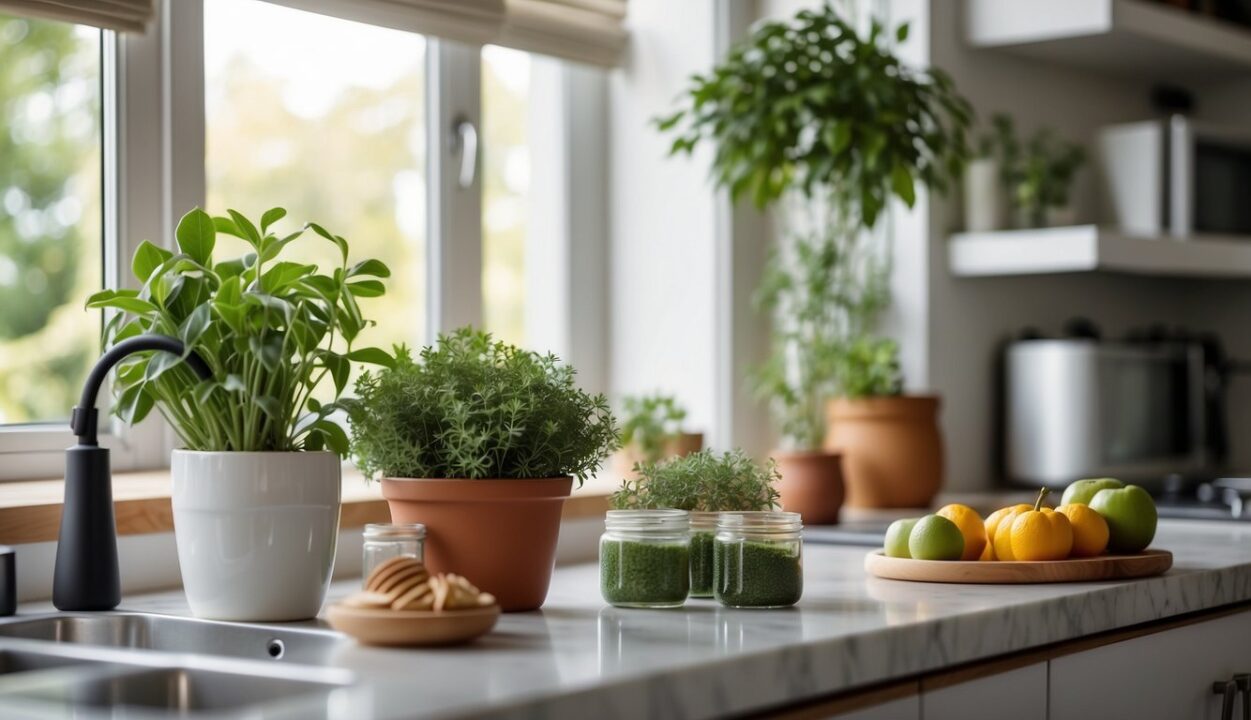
x=581, y=658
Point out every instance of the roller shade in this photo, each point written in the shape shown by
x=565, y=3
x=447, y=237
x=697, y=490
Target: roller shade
x=589, y=31
x=122, y=15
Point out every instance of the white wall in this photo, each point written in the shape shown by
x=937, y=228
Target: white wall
x=662, y=216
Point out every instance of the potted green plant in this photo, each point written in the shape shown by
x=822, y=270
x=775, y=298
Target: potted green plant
x=651, y=430
x=811, y=109
x=481, y=441
x=256, y=484
x=986, y=178
x=1041, y=178
x=704, y=484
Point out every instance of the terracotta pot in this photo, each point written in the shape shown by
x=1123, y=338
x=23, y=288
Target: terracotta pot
x=811, y=485
x=622, y=464
x=892, y=449
x=499, y=534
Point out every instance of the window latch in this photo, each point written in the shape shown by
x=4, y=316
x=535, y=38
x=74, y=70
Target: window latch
x=464, y=143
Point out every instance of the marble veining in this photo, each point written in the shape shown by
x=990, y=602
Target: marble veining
x=581, y=658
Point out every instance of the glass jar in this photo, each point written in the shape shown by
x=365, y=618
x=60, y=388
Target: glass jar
x=384, y=541
x=703, y=529
x=758, y=559
x=644, y=558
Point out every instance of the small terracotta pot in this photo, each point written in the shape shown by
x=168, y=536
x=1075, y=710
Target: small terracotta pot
x=811, y=485
x=892, y=449
x=623, y=461
x=499, y=534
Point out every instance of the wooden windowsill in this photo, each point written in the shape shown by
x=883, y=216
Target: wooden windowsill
x=30, y=511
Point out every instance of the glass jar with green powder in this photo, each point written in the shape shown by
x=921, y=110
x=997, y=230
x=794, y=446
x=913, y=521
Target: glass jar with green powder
x=758, y=559
x=644, y=558
x=703, y=529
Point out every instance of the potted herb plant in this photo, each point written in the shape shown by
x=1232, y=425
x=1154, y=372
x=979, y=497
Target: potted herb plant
x=704, y=484
x=481, y=442
x=1041, y=176
x=812, y=111
x=256, y=484
x=986, y=178
x=651, y=430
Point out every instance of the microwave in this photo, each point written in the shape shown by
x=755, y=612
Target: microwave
x=1177, y=177
x=1079, y=408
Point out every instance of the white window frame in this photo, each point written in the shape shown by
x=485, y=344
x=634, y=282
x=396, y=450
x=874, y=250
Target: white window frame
x=154, y=169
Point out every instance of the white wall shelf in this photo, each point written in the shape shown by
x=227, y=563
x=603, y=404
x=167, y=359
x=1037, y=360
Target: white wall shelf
x=1132, y=38
x=1089, y=248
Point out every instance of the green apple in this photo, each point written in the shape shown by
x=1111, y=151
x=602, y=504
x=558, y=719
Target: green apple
x=897, y=538
x=1131, y=517
x=1081, y=492
x=934, y=537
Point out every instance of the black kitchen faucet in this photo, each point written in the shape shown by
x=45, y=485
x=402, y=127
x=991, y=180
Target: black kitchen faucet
x=86, y=575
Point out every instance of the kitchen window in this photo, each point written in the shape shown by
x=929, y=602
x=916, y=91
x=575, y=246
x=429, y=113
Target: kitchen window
x=446, y=158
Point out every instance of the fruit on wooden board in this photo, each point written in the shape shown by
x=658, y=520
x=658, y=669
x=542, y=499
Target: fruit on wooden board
x=1131, y=516
x=971, y=527
x=1090, y=530
x=897, y=536
x=1081, y=491
x=934, y=537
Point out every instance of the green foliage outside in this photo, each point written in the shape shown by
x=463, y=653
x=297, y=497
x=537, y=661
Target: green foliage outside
x=701, y=481
x=49, y=215
x=649, y=421
x=471, y=407
x=811, y=110
x=271, y=331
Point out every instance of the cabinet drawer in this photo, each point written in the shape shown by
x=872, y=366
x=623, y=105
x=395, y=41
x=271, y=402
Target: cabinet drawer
x=1162, y=676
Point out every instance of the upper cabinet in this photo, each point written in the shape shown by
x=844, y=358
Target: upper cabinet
x=1132, y=38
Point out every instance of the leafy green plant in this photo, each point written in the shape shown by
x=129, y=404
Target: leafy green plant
x=1042, y=179
x=870, y=368
x=812, y=105
x=811, y=109
x=649, y=421
x=271, y=331
x=701, y=481
x=470, y=407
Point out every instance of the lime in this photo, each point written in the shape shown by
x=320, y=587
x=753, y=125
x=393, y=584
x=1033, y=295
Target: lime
x=934, y=537
x=897, y=538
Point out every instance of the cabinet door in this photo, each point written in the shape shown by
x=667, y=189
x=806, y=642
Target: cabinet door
x=1020, y=694
x=1163, y=676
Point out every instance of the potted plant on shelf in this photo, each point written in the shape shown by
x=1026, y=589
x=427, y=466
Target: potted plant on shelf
x=704, y=484
x=651, y=430
x=481, y=441
x=986, y=178
x=812, y=111
x=1041, y=178
x=256, y=484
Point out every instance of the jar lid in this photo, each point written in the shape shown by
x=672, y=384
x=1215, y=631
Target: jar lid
x=396, y=531
x=763, y=521
x=648, y=520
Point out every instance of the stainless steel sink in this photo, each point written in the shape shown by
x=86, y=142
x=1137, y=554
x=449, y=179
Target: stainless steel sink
x=168, y=633
x=135, y=665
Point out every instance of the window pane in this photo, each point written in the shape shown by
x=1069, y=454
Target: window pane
x=505, y=190
x=325, y=118
x=51, y=249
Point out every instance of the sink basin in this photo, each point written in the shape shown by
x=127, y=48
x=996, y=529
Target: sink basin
x=166, y=691
x=177, y=634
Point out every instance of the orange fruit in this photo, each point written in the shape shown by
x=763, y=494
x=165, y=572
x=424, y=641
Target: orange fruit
x=1090, y=530
x=971, y=527
x=1040, y=533
x=1001, y=549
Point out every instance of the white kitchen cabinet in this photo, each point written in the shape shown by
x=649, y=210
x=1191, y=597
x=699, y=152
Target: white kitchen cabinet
x=1020, y=694
x=1162, y=676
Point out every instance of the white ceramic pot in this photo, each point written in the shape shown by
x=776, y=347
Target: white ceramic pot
x=256, y=532
x=985, y=202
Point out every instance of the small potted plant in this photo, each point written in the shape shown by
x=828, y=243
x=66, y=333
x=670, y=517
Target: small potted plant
x=256, y=485
x=891, y=445
x=481, y=442
x=1041, y=178
x=986, y=178
x=651, y=430
x=814, y=111
x=704, y=484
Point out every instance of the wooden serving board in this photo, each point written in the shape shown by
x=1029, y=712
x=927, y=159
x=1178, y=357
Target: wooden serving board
x=1107, y=567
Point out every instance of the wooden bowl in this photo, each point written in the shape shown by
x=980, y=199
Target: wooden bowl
x=1103, y=567
x=412, y=628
